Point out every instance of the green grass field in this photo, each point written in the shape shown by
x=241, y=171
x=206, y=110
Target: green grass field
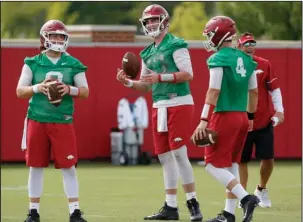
x=126, y=194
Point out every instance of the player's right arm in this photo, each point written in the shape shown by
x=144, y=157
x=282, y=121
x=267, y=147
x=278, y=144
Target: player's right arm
x=211, y=98
x=137, y=85
x=25, y=90
x=252, y=93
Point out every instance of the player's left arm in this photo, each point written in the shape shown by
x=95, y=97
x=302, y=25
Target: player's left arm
x=81, y=84
x=183, y=62
x=212, y=95
x=80, y=88
x=276, y=96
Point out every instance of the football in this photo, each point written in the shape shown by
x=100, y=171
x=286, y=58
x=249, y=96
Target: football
x=210, y=139
x=131, y=65
x=54, y=97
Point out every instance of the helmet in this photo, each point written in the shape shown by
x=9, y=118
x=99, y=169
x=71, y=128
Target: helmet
x=154, y=11
x=53, y=27
x=217, y=30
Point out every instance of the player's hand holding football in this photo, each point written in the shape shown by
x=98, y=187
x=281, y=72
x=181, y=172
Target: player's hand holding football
x=122, y=77
x=150, y=78
x=43, y=87
x=63, y=89
x=200, y=130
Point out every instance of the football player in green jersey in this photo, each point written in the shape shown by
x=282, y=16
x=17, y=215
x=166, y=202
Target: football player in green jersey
x=232, y=81
x=167, y=70
x=48, y=128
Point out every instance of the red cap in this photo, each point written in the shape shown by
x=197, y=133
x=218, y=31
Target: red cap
x=246, y=38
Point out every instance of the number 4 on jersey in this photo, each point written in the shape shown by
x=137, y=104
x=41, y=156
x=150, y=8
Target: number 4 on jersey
x=240, y=67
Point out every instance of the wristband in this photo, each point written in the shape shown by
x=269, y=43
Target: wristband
x=35, y=88
x=250, y=116
x=208, y=109
x=275, y=121
x=167, y=77
x=129, y=84
x=73, y=91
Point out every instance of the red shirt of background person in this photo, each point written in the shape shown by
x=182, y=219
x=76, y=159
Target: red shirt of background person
x=269, y=105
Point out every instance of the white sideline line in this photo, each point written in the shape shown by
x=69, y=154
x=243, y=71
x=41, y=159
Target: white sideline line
x=13, y=187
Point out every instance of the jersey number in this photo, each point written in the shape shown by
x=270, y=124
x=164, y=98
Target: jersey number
x=54, y=75
x=240, y=67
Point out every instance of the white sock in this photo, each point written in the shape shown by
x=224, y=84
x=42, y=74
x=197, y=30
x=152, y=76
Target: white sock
x=171, y=200
x=230, y=205
x=239, y=191
x=191, y=195
x=73, y=206
x=34, y=206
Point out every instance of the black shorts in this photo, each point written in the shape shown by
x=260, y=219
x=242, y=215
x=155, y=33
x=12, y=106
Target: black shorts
x=263, y=140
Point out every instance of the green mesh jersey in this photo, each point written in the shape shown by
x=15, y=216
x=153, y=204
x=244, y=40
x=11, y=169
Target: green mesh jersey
x=160, y=60
x=237, y=69
x=65, y=69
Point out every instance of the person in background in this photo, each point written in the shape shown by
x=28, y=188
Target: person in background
x=270, y=113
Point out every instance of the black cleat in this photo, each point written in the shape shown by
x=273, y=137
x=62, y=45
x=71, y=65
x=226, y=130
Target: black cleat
x=249, y=203
x=224, y=216
x=194, y=209
x=76, y=216
x=165, y=213
x=32, y=216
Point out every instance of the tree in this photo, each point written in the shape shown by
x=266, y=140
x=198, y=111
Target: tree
x=24, y=19
x=110, y=13
x=188, y=20
x=273, y=20
x=210, y=8
x=21, y=19
x=114, y=13
x=57, y=10
x=276, y=20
